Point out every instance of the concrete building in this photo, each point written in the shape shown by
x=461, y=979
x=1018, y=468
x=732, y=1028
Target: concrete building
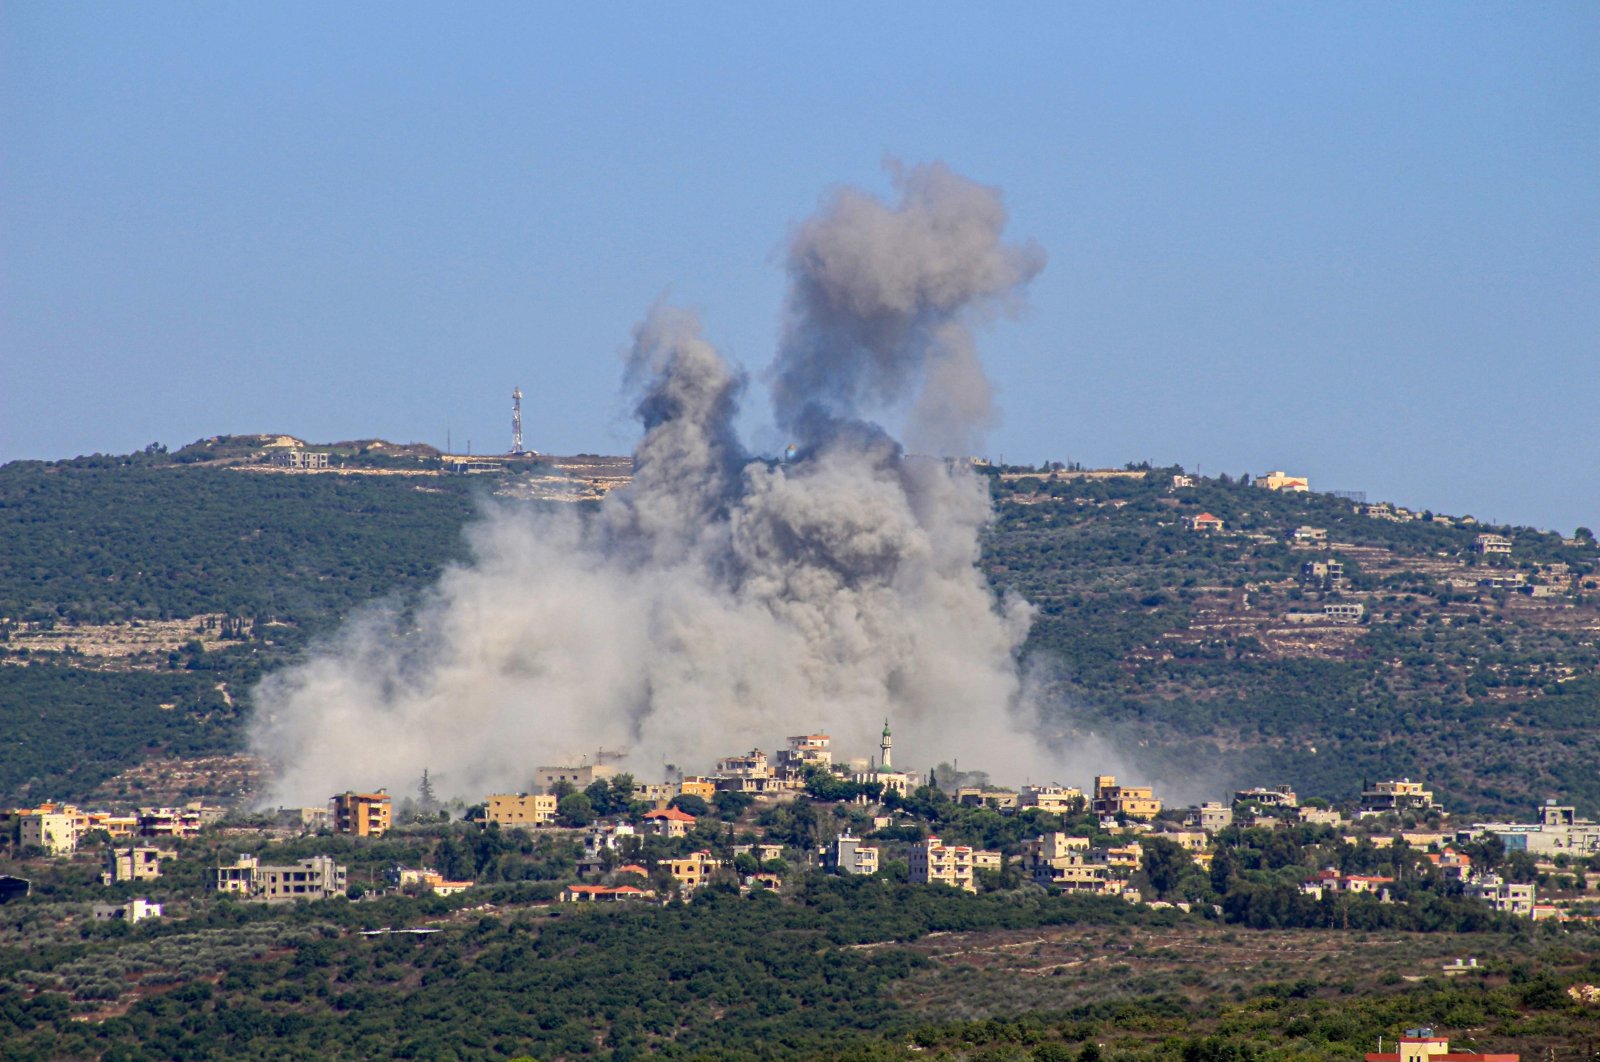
x=54, y=831
x=317, y=878
x=693, y=870
x=521, y=809
x=1211, y=817
x=1055, y=799
x=300, y=460
x=749, y=773
x=1306, y=535
x=668, y=822
x=1504, y=896
x=696, y=785
x=1000, y=799
x=360, y=814
x=1344, y=611
x=175, y=823
x=934, y=862
x=1111, y=799
x=132, y=912
x=1280, y=480
x=1400, y=795
x=1323, y=574
x=1488, y=545
x=806, y=750
x=579, y=777
x=1058, y=861
x=427, y=879
x=306, y=820
x=134, y=863
x=847, y=855
x=1205, y=522
x=1278, y=796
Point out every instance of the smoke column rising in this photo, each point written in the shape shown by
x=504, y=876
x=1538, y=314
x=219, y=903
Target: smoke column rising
x=720, y=602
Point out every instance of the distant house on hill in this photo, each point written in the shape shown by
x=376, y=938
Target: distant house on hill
x=1205, y=522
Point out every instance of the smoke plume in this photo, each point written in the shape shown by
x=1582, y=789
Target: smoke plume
x=721, y=601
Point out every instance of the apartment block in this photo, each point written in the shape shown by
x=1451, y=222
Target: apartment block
x=847, y=855
x=521, y=809
x=361, y=814
x=54, y=831
x=933, y=861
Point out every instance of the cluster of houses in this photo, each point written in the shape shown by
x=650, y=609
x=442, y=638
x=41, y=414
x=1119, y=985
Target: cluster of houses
x=612, y=867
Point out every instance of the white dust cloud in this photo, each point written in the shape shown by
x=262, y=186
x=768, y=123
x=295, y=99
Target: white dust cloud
x=721, y=602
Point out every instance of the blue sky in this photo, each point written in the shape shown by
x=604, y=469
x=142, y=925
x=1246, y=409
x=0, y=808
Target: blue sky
x=1358, y=241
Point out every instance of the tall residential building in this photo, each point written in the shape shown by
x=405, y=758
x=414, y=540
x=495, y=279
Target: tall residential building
x=361, y=814
x=54, y=831
x=933, y=861
x=847, y=855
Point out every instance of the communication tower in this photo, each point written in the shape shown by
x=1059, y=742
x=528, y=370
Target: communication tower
x=516, y=420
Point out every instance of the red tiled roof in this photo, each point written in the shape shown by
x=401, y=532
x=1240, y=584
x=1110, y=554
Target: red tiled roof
x=633, y=868
x=670, y=814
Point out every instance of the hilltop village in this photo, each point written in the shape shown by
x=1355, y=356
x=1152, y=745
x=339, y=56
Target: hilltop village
x=761, y=823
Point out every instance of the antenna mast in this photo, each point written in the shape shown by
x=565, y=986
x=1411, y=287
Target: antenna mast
x=516, y=420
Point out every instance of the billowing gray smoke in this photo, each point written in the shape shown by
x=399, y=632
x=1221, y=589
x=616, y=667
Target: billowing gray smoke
x=719, y=602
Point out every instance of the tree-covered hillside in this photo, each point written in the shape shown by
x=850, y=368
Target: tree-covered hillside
x=1204, y=652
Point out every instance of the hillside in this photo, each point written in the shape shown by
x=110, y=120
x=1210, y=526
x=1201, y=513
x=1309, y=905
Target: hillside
x=141, y=596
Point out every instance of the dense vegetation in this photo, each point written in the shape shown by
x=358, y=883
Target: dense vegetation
x=1142, y=625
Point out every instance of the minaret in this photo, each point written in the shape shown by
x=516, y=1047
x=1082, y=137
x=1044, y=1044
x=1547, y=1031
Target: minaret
x=888, y=748
x=516, y=420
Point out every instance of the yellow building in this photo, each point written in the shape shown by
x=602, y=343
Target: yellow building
x=361, y=814
x=1136, y=802
x=1283, y=481
x=934, y=862
x=1058, y=861
x=54, y=831
x=521, y=809
x=692, y=870
x=704, y=788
